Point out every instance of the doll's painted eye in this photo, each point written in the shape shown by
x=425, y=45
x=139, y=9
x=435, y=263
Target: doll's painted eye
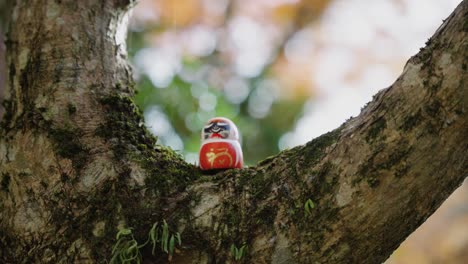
x=216, y=127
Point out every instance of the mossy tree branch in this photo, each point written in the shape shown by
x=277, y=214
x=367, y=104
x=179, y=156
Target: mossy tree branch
x=77, y=164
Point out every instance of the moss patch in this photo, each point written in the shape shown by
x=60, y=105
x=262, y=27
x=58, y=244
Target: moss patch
x=167, y=174
x=401, y=170
x=314, y=151
x=8, y=116
x=71, y=109
x=380, y=161
x=124, y=129
x=5, y=183
x=257, y=184
x=266, y=215
x=372, y=181
x=411, y=121
x=314, y=220
x=82, y=211
x=433, y=108
x=400, y=153
x=68, y=145
x=124, y=122
x=375, y=129
x=322, y=182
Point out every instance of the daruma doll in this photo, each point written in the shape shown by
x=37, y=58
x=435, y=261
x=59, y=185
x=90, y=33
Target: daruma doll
x=220, y=148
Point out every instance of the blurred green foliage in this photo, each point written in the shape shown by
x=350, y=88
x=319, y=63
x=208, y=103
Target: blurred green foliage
x=180, y=102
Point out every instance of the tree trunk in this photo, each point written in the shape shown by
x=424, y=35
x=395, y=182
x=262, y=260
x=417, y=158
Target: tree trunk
x=4, y=15
x=77, y=164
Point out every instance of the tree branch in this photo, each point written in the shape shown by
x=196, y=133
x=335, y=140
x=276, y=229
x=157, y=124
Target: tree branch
x=373, y=180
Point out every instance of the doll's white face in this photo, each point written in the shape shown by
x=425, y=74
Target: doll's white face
x=219, y=128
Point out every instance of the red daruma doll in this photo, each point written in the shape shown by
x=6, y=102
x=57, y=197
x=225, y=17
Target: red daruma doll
x=220, y=148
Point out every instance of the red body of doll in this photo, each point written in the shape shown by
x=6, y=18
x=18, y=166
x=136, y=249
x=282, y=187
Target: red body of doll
x=220, y=147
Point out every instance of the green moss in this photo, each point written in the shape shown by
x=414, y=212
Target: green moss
x=370, y=170
x=252, y=186
x=102, y=206
x=142, y=147
x=313, y=221
x=373, y=181
x=323, y=182
x=64, y=177
x=400, y=153
x=8, y=105
x=266, y=215
x=231, y=216
x=125, y=123
x=66, y=141
x=124, y=128
x=12, y=72
x=433, y=108
x=431, y=128
x=68, y=145
x=258, y=184
x=411, y=121
x=44, y=184
x=375, y=129
x=429, y=40
x=314, y=151
x=167, y=174
x=71, y=109
x=24, y=174
x=27, y=78
x=327, y=181
x=266, y=161
x=5, y=181
x=426, y=83
x=401, y=170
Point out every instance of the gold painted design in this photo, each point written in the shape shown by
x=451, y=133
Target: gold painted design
x=212, y=156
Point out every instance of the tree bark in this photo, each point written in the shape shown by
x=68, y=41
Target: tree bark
x=4, y=18
x=2, y=73
x=77, y=164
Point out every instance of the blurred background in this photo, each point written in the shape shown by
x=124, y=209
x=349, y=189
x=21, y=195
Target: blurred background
x=285, y=71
